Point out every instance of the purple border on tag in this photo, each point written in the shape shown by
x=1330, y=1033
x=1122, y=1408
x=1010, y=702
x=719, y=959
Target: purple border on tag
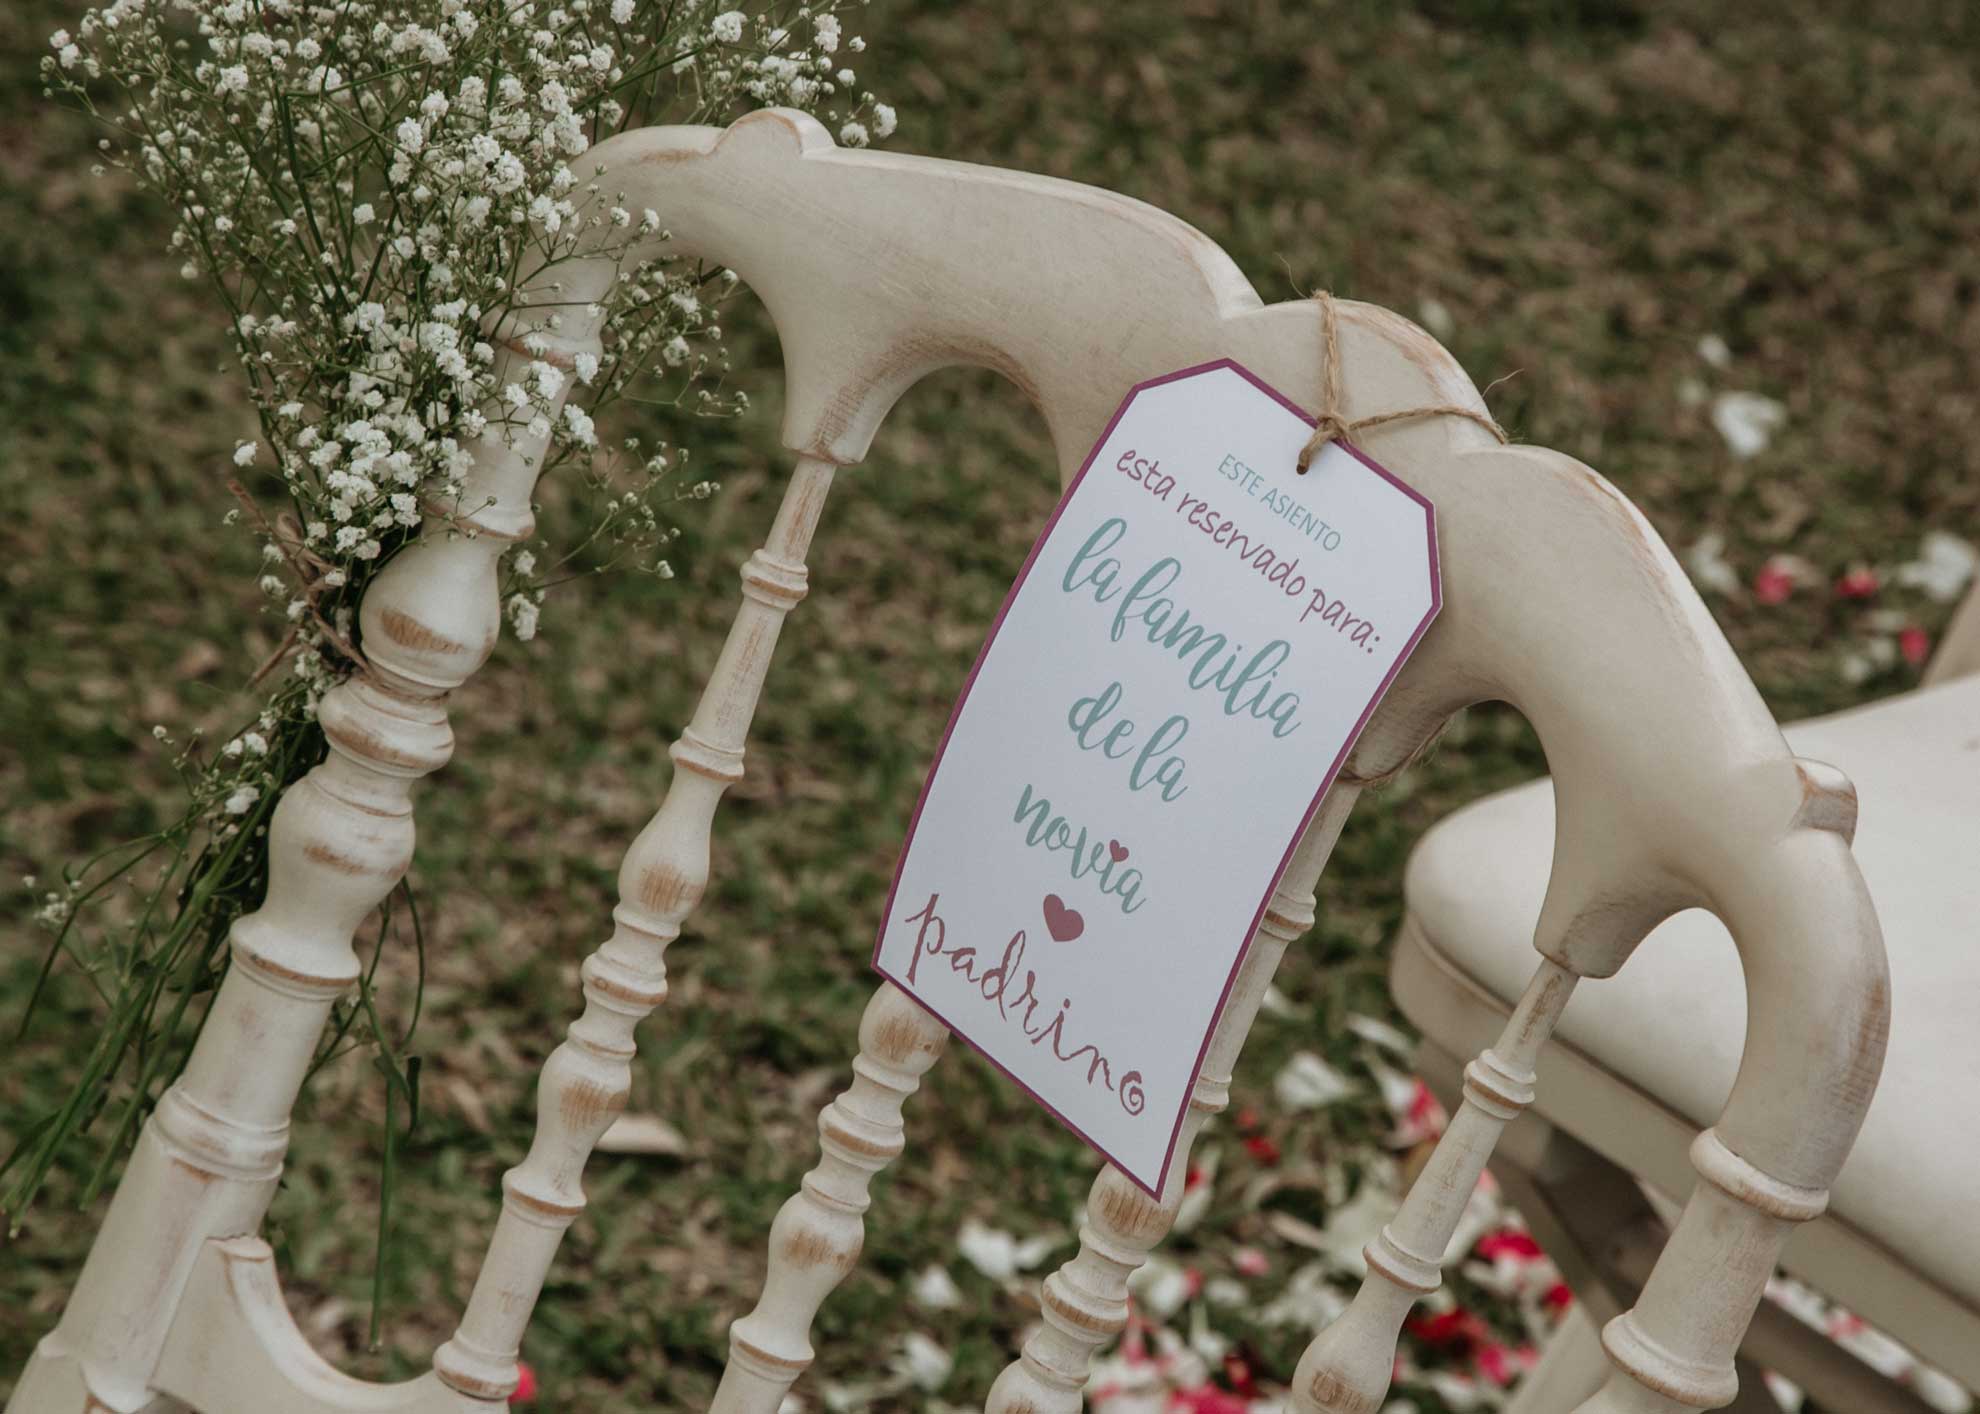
x=1326, y=783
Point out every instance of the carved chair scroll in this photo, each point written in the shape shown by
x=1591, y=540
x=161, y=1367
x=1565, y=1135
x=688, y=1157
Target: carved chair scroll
x=1676, y=789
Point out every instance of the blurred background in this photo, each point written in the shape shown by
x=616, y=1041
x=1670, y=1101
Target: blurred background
x=1731, y=254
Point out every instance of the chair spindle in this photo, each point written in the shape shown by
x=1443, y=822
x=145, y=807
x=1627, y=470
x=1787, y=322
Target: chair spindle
x=340, y=840
x=816, y=1236
x=1085, y=1302
x=1348, y=1366
x=587, y=1078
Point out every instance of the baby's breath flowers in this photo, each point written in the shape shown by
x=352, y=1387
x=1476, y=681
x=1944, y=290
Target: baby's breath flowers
x=371, y=186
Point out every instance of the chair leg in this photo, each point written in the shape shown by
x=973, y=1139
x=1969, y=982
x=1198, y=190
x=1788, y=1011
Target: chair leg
x=1596, y=1224
x=1572, y=1368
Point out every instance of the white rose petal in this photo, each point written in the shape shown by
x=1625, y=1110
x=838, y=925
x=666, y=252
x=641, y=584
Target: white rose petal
x=935, y=1289
x=1707, y=564
x=1944, y=565
x=1160, y=1287
x=926, y=1364
x=1748, y=421
x=1379, y=1033
x=1307, y=1082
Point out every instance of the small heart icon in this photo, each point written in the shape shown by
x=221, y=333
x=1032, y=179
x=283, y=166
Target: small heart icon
x=1063, y=923
x=1117, y=849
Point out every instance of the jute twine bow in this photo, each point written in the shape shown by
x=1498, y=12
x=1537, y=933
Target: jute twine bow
x=1332, y=426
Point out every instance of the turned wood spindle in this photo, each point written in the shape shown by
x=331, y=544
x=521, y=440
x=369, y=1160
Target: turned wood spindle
x=339, y=842
x=587, y=1078
x=817, y=1234
x=1347, y=1367
x=1085, y=1302
x=1673, y=1351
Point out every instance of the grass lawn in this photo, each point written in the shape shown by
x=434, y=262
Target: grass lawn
x=1572, y=190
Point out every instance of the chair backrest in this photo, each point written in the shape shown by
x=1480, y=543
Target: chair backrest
x=1674, y=786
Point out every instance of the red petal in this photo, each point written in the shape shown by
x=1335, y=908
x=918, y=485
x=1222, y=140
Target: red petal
x=1510, y=1242
x=1262, y=1149
x=1493, y=1364
x=1857, y=584
x=1772, y=585
x=525, y=1384
x=1238, y=1375
x=1456, y=1326
x=1916, y=645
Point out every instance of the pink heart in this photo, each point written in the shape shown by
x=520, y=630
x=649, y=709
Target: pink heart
x=1117, y=849
x=1063, y=923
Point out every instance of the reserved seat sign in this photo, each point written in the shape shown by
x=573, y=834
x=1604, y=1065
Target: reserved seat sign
x=1171, y=687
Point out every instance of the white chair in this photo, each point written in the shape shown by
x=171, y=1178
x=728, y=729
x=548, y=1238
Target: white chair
x=1637, y=1069
x=878, y=269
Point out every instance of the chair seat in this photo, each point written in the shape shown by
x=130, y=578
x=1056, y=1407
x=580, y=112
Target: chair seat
x=1642, y=1061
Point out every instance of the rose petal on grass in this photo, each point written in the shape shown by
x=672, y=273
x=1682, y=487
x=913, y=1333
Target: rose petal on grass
x=1858, y=582
x=1198, y=1190
x=1309, y=1082
x=925, y=1363
x=990, y=1250
x=1262, y=1148
x=1944, y=565
x=1707, y=564
x=1354, y=1225
x=1379, y=1033
x=1747, y=421
x=1277, y=1003
x=935, y=1290
x=1223, y=1291
x=1309, y=1301
x=1775, y=581
x=1034, y=1250
x=1160, y=1287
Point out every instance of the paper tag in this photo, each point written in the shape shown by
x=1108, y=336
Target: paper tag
x=1170, y=688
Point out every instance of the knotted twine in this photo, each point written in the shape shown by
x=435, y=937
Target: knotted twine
x=1331, y=425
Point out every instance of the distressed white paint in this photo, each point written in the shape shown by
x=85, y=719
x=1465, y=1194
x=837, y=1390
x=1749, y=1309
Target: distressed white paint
x=1674, y=788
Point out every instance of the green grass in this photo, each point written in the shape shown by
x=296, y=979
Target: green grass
x=1587, y=188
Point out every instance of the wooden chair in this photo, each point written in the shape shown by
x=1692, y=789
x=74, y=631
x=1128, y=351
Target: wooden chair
x=878, y=269
x=1636, y=1071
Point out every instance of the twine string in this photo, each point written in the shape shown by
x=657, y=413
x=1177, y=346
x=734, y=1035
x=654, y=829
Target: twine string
x=311, y=569
x=1333, y=426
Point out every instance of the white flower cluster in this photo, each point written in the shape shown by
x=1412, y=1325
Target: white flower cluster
x=374, y=184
